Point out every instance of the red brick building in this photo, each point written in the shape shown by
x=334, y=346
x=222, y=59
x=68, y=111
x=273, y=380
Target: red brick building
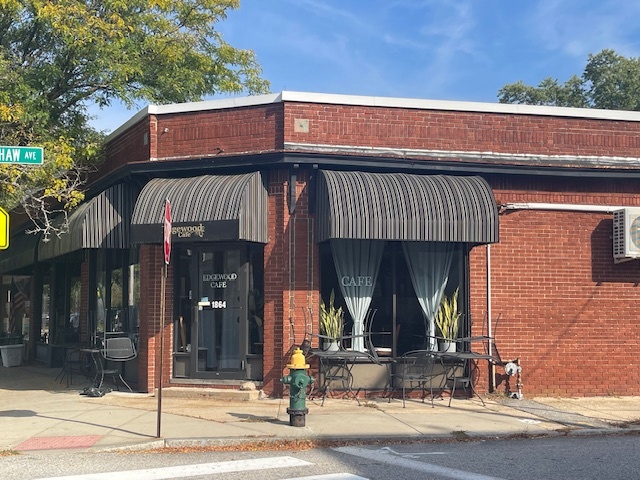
x=280, y=199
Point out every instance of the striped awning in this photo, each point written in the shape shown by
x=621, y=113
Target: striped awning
x=205, y=208
x=399, y=206
x=101, y=222
x=21, y=254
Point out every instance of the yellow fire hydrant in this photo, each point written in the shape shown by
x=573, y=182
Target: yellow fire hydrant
x=297, y=381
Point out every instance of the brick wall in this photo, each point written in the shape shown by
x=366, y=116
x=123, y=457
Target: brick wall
x=151, y=267
x=207, y=134
x=134, y=145
x=458, y=131
x=566, y=310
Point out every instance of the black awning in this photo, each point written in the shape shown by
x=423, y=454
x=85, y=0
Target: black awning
x=399, y=206
x=205, y=208
x=21, y=254
x=102, y=222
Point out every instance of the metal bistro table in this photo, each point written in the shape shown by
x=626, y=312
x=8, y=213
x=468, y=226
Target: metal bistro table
x=460, y=367
x=336, y=367
x=96, y=365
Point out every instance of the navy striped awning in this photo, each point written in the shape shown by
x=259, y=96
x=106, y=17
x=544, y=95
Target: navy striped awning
x=102, y=222
x=205, y=208
x=399, y=206
x=21, y=254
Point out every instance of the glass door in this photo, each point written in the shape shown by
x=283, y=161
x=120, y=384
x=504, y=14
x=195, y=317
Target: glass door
x=218, y=349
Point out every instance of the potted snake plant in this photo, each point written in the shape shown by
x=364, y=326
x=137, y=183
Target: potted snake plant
x=447, y=322
x=331, y=322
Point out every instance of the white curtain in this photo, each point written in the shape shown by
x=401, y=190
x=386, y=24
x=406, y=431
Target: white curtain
x=429, y=265
x=357, y=263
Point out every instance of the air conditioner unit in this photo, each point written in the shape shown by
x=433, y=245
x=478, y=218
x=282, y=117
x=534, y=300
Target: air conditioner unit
x=626, y=234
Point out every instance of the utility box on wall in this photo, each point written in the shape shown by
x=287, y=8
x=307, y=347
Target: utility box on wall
x=626, y=234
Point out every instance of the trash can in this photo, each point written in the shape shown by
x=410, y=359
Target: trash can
x=12, y=355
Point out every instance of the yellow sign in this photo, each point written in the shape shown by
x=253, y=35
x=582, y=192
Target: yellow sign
x=4, y=229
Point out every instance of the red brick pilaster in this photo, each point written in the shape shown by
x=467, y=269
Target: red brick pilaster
x=151, y=271
x=291, y=275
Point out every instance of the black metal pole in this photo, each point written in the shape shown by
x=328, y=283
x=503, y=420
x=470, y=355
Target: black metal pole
x=163, y=282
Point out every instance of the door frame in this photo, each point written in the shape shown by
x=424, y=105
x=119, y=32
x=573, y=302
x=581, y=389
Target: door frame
x=195, y=271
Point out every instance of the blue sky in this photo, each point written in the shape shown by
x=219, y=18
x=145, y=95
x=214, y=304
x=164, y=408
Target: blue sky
x=432, y=49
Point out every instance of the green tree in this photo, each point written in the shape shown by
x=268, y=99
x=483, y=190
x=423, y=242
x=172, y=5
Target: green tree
x=59, y=57
x=609, y=81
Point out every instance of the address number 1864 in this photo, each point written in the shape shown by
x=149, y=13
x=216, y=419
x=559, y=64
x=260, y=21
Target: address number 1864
x=213, y=304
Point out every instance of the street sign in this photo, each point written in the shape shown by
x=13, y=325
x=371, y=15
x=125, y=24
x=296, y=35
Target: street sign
x=4, y=229
x=29, y=155
x=167, y=231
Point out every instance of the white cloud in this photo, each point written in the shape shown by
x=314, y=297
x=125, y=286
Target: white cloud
x=579, y=28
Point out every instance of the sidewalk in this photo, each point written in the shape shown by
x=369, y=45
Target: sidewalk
x=37, y=413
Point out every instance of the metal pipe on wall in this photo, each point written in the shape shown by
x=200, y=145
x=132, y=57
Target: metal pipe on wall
x=561, y=207
x=492, y=367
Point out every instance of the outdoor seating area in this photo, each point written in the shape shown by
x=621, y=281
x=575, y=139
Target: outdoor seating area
x=95, y=363
x=343, y=359
x=338, y=353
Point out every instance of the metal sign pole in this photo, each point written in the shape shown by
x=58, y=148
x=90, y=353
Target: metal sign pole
x=163, y=286
x=163, y=283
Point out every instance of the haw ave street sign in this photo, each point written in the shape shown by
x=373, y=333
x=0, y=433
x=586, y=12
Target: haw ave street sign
x=31, y=155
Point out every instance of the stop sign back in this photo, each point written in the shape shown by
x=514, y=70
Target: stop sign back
x=167, y=231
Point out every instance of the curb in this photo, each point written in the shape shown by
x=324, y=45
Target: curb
x=283, y=443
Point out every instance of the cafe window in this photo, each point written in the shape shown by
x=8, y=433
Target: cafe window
x=400, y=316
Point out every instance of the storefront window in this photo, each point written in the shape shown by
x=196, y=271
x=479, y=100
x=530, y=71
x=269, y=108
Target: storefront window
x=133, y=297
x=116, y=284
x=101, y=294
x=74, y=306
x=46, y=300
x=256, y=301
x=400, y=320
x=116, y=315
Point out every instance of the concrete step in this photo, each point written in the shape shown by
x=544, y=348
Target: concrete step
x=224, y=394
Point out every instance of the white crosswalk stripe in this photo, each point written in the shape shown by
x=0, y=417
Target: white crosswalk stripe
x=330, y=476
x=385, y=456
x=185, y=471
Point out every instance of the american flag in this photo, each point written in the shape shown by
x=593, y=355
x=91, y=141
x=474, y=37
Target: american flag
x=19, y=296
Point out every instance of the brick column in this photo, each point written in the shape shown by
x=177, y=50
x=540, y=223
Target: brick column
x=291, y=275
x=151, y=270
